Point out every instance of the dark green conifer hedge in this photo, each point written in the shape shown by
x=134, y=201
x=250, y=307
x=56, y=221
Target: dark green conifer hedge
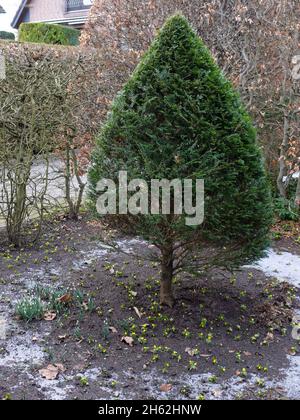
x=7, y=35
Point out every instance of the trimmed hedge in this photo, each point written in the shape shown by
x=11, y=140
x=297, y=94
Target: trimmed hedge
x=7, y=35
x=45, y=33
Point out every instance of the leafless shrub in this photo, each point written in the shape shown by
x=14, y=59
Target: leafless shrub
x=40, y=105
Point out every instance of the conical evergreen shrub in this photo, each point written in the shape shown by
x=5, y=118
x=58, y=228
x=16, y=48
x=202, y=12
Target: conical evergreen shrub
x=178, y=117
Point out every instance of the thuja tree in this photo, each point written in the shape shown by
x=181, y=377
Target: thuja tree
x=179, y=118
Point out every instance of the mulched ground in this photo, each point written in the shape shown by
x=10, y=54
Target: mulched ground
x=112, y=338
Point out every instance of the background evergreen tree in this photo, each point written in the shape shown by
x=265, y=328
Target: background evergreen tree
x=178, y=117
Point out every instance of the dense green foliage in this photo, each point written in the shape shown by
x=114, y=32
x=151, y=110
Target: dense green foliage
x=45, y=33
x=7, y=35
x=285, y=209
x=179, y=117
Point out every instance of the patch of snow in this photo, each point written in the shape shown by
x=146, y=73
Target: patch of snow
x=200, y=385
x=127, y=245
x=282, y=265
x=55, y=390
x=197, y=384
x=22, y=351
x=34, y=276
x=291, y=382
x=89, y=257
x=61, y=388
x=148, y=384
x=294, y=176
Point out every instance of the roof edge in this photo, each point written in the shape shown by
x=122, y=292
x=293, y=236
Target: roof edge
x=18, y=14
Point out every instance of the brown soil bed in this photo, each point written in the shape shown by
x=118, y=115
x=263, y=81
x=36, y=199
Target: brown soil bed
x=228, y=336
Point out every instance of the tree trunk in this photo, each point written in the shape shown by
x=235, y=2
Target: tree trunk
x=17, y=212
x=80, y=184
x=297, y=198
x=68, y=176
x=283, y=155
x=166, y=288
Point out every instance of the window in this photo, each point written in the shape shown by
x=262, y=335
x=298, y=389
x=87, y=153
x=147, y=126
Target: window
x=72, y=5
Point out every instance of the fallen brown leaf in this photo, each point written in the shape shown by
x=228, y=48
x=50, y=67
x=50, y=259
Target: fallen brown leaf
x=137, y=312
x=51, y=371
x=269, y=337
x=192, y=352
x=65, y=298
x=49, y=316
x=61, y=367
x=113, y=330
x=62, y=337
x=217, y=393
x=128, y=340
x=166, y=387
